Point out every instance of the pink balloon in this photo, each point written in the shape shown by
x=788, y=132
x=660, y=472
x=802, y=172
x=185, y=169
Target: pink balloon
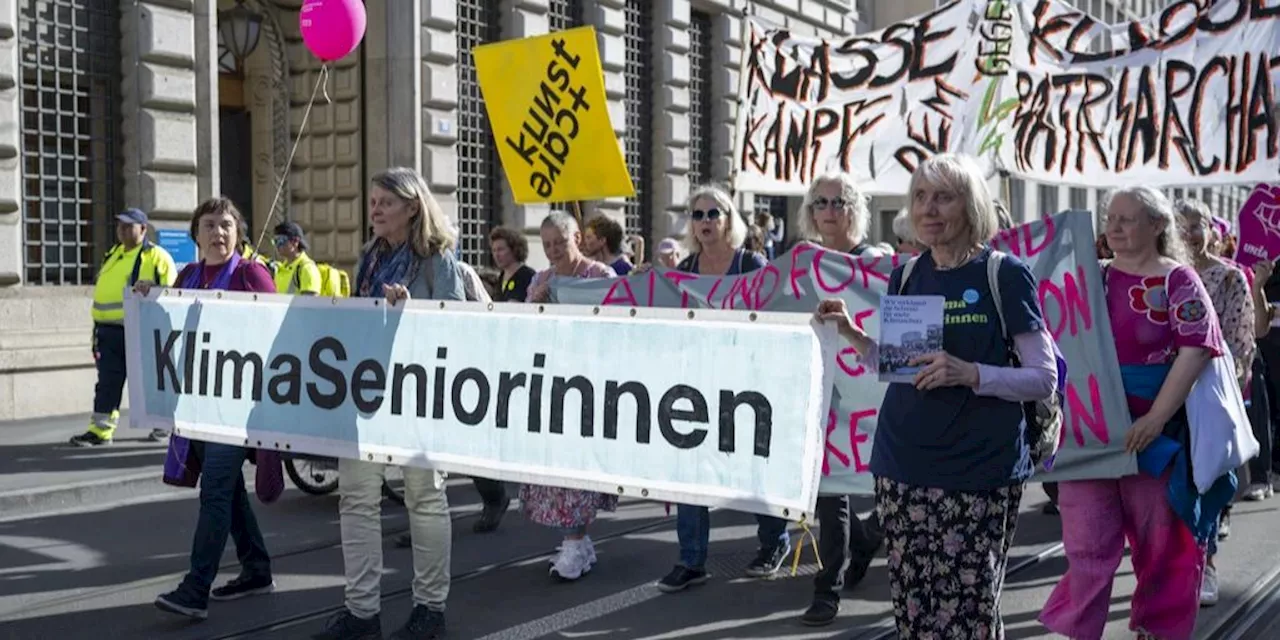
x=331, y=29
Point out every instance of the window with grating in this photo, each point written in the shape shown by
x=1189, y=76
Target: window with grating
x=1079, y=199
x=564, y=14
x=1048, y=196
x=700, y=98
x=479, y=197
x=1018, y=200
x=70, y=79
x=638, y=141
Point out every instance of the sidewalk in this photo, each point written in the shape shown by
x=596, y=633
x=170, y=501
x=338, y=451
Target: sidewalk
x=41, y=471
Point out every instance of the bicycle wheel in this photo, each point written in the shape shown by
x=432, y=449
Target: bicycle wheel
x=315, y=476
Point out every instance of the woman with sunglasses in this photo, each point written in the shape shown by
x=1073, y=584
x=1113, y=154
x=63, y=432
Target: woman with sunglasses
x=835, y=215
x=716, y=234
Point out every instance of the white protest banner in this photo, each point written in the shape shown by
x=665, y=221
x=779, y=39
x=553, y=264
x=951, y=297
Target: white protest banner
x=1035, y=87
x=660, y=404
x=1061, y=254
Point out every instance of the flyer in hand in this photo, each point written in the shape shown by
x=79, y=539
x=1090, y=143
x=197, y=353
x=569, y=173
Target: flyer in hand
x=910, y=327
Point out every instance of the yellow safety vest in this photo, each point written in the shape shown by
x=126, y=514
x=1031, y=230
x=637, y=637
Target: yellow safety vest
x=120, y=270
x=300, y=275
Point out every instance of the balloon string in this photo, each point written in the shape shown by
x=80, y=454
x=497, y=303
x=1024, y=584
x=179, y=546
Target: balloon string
x=321, y=81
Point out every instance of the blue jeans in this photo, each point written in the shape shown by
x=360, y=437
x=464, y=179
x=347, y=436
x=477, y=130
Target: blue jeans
x=693, y=528
x=224, y=511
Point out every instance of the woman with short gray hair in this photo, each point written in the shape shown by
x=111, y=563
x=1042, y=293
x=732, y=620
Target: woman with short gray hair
x=951, y=452
x=570, y=511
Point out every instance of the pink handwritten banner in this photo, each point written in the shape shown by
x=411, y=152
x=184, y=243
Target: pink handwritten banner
x=1060, y=251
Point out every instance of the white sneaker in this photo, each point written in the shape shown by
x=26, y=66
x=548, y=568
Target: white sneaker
x=574, y=560
x=1259, y=492
x=591, y=551
x=1209, y=588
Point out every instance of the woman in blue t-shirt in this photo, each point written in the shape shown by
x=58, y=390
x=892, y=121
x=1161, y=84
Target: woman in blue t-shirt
x=716, y=234
x=950, y=455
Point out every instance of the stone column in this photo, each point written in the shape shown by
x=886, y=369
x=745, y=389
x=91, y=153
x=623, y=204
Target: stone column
x=393, y=86
x=439, y=128
x=159, y=131
x=10, y=149
x=522, y=19
x=726, y=61
x=671, y=116
x=611, y=24
x=208, y=140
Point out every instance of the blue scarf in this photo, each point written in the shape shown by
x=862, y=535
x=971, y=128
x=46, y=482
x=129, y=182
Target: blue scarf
x=384, y=266
x=221, y=281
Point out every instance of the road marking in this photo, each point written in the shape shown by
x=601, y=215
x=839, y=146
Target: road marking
x=65, y=556
x=574, y=616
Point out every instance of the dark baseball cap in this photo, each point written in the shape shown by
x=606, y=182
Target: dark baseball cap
x=291, y=230
x=132, y=216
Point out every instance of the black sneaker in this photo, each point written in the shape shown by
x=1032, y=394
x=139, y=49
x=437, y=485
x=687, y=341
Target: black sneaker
x=491, y=517
x=89, y=439
x=681, y=578
x=183, y=604
x=158, y=435
x=346, y=626
x=821, y=613
x=859, y=563
x=768, y=560
x=423, y=624
x=242, y=587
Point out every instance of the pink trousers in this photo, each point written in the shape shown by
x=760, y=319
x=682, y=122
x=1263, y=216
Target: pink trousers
x=1097, y=517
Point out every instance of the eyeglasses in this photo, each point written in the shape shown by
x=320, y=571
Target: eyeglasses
x=823, y=203
x=710, y=214
x=281, y=240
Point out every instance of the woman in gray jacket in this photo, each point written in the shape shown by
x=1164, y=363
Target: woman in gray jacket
x=408, y=257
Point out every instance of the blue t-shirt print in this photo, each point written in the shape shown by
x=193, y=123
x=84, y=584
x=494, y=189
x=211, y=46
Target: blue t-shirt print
x=951, y=438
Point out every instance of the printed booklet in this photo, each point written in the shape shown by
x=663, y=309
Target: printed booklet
x=910, y=326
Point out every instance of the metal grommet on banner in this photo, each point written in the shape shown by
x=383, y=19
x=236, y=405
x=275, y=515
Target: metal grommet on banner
x=277, y=445
x=218, y=295
x=255, y=297
x=388, y=458
x=259, y=443
x=333, y=301
x=246, y=440
x=644, y=493
x=595, y=311
x=621, y=491
x=371, y=457
x=376, y=302
x=288, y=447
x=441, y=305
x=491, y=306
x=690, y=314
x=753, y=316
x=633, y=313
x=541, y=308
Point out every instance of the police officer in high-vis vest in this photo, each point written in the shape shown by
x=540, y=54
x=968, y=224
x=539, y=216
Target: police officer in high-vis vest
x=298, y=274
x=134, y=258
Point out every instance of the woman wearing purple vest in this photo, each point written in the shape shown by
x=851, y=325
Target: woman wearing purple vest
x=225, y=510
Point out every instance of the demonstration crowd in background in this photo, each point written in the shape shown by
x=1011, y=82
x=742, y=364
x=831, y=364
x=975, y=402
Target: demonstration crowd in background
x=950, y=456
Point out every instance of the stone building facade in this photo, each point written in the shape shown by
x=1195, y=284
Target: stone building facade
x=106, y=104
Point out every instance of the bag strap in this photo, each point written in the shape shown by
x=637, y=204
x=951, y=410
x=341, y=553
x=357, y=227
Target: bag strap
x=993, y=283
x=137, y=262
x=906, y=273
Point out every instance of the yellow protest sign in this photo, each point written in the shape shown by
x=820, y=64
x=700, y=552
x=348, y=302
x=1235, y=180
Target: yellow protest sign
x=546, y=104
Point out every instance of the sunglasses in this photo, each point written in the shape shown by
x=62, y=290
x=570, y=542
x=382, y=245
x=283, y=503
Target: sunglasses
x=710, y=214
x=281, y=240
x=823, y=203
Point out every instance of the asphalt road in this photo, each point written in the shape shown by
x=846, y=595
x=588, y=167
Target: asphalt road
x=73, y=572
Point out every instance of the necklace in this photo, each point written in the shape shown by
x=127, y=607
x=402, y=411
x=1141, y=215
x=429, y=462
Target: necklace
x=964, y=258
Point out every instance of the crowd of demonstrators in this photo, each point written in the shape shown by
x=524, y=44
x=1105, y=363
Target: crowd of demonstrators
x=951, y=454
x=225, y=510
x=717, y=234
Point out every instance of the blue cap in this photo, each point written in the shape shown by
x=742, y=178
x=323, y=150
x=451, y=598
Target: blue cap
x=133, y=216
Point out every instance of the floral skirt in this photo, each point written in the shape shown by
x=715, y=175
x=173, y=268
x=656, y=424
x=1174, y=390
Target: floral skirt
x=947, y=552
x=563, y=508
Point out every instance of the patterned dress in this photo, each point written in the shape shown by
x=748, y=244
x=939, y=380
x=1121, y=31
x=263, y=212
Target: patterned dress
x=1228, y=288
x=555, y=506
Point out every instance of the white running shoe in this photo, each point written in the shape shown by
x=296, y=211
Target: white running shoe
x=1209, y=588
x=574, y=560
x=591, y=551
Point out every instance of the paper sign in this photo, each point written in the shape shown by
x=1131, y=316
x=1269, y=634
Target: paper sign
x=550, y=118
x=1259, y=227
x=179, y=245
x=910, y=327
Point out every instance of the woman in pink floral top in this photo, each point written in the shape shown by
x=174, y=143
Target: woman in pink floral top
x=568, y=510
x=1166, y=333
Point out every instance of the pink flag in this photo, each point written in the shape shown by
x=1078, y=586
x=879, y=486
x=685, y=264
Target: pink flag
x=1259, y=226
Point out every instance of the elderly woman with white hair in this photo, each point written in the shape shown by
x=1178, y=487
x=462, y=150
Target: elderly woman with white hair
x=716, y=235
x=570, y=511
x=905, y=235
x=835, y=214
x=951, y=454
x=1166, y=332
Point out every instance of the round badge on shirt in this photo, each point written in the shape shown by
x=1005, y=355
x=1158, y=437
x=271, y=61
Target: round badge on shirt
x=970, y=296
